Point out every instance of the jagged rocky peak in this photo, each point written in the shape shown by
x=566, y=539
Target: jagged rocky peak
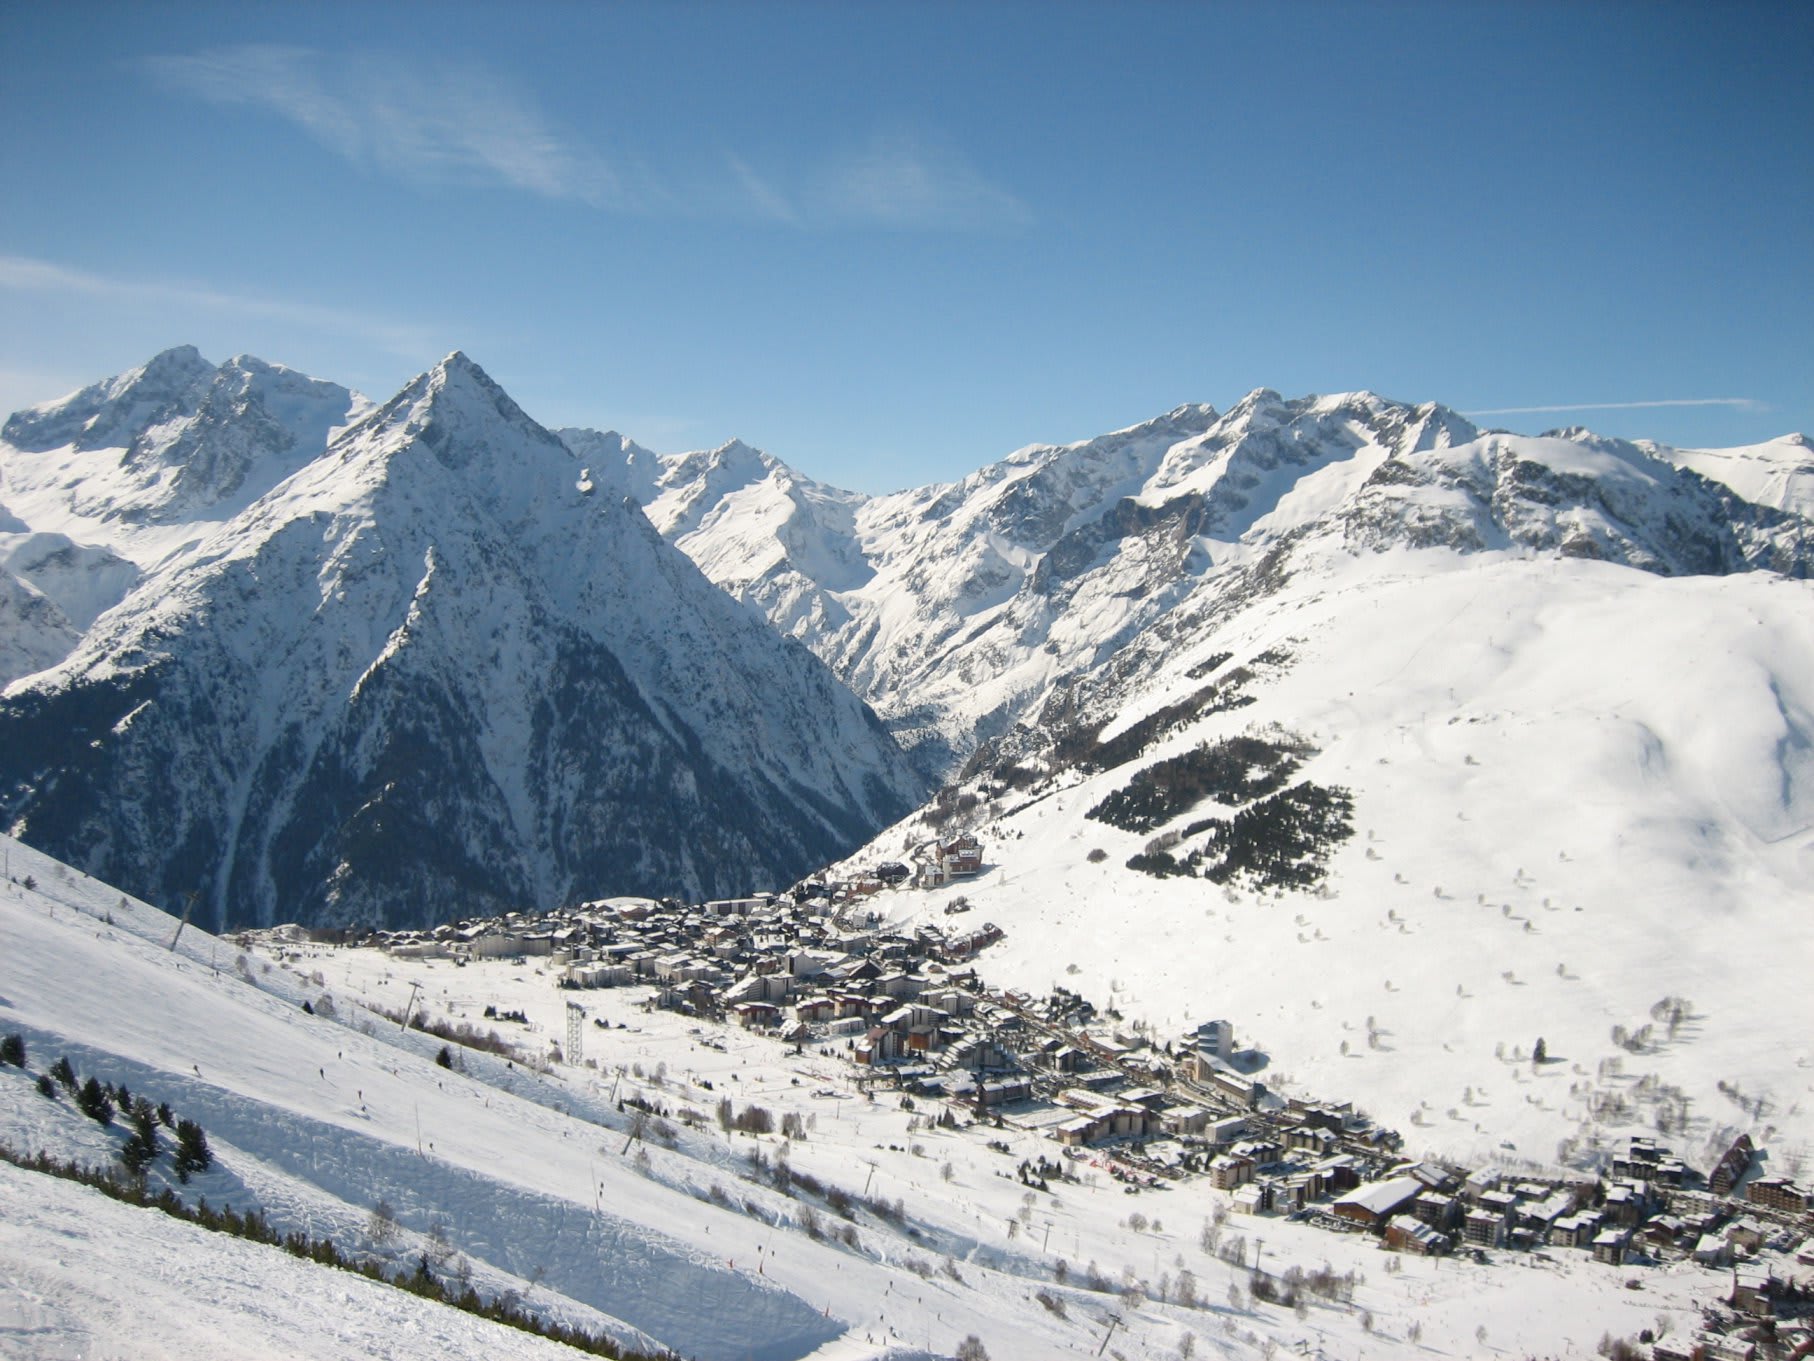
x=172, y=442
x=114, y=411
x=450, y=406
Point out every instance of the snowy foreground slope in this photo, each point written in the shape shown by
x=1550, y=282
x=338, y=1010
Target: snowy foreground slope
x=529, y=1183
x=1577, y=790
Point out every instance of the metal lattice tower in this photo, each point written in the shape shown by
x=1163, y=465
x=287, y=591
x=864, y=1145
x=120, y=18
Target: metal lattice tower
x=576, y=1033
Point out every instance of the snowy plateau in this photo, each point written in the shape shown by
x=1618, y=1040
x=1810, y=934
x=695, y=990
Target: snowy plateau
x=1398, y=744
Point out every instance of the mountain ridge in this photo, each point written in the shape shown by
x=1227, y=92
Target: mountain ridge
x=430, y=668
x=945, y=606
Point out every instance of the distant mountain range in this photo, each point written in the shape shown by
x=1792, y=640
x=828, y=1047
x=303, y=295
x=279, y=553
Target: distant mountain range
x=306, y=656
x=959, y=610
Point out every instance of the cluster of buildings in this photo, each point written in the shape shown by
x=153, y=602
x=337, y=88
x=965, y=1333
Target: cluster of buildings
x=813, y=967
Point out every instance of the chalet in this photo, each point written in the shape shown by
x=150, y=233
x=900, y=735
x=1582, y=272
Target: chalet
x=856, y=971
x=1227, y=1171
x=1434, y=1176
x=1227, y=1130
x=1539, y=1215
x=1478, y=1184
x=1435, y=1209
x=1746, y=1235
x=1626, y=1202
x=1081, y=1130
x=1777, y=1193
x=1181, y=1120
x=733, y=907
x=1659, y=1235
x=808, y=963
x=1483, y=1228
x=1609, y=1246
x=757, y=1015
x=1753, y=1290
x=1213, y=1038
x=1235, y=1087
x=851, y=1004
x=1291, y=1193
x=991, y=1092
x=599, y=974
x=952, y=1001
x=1253, y=1198
x=1338, y=1173
x=1498, y=1203
x=963, y=947
x=816, y=1010
x=879, y=1045
x=1319, y=1143
x=1262, y=1151
x=1576, y=1230
x=1711, y=1249
x=772, y=987
x=499, y=945
x=1321, y=1114
x=978, y=1053
x=961, y=857
x=1405, y=1233
x=417, y=949
x=1373, y=1205
x=1732, y=1166
x=1710, y=1346
x=899, y=984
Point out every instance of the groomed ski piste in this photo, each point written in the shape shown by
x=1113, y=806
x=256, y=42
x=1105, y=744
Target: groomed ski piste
x=538, y=1184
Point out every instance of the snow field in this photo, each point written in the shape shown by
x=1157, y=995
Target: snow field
x=1579, y=790
x=553, y=1202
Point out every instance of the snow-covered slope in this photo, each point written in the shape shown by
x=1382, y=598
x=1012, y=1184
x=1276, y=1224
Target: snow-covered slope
x=437, y=670
x=1577, y=790
x=530, y=1183
x=146, y=463
x=958, y=610
x=1779, y=473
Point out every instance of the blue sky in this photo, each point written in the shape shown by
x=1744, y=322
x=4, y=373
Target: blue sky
x=889, y=243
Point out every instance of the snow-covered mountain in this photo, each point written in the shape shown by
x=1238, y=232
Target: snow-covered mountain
x=431, y=669
x=959, y=610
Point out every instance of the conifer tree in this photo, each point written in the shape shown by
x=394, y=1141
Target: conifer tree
x=95, y=1103
x=140, y=1151
x=12, y=1050
x=192, y=1152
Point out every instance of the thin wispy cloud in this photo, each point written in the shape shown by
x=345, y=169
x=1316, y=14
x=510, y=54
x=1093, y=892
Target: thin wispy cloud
x=902, y=182
x=441, y=122
x=23, y=274
x=459, y=123
x=1742, y=403
x=753, y=193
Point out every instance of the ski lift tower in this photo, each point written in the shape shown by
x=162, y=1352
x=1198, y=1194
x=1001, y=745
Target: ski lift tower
x=576, y=1033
